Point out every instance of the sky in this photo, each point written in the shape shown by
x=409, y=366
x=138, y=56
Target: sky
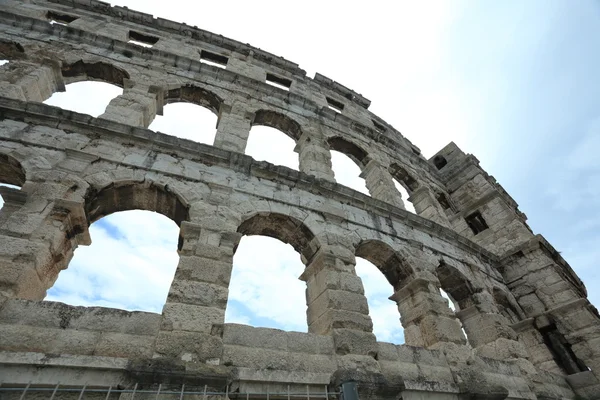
x=515, y=83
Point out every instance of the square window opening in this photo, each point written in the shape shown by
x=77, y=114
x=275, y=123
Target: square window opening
x=142, y=39
x=335, y=105
x=60, y=19
x=444, y=202
x=379, y=127
x=279, y=82
x=216, y=60
x=476, y=223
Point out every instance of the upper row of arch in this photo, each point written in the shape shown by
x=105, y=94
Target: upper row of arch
x=196, y=94
x=374, y=130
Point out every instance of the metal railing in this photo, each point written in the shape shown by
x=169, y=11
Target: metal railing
x=53, y=393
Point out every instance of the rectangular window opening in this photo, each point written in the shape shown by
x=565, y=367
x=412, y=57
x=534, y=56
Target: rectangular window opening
x=335, y=105
x=476, y=223
x=216, y=60
x=141, y=39
x=443, y=200
x=379, y=126
x=561, y=351
x=279, y=82
x=60, y=19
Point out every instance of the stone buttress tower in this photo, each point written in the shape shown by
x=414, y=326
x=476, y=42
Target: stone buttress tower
x=530, y=331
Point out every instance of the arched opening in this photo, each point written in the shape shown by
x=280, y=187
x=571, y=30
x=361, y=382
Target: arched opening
x=456, y=288
x=273, y=137
x=12, y=176
x=10, y=50
x=265, y=290
x=187, y=121
x=89, y=98
x=405, y=197
x=89, y=87
x=133, y=256
x=347, y=163
x=405, y=184
x=129, y=265
x=379, y=266
x=190, y=113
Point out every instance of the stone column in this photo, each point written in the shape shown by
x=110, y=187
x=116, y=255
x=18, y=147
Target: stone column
x=30, y=82
x=194, y=314
x=314, y=155
x=233, y=127
x=425, y=315
x=428, y=207
x=380, y=183
x=488, y=331
x=337, y=305
x=38, y=240
x=137, y=106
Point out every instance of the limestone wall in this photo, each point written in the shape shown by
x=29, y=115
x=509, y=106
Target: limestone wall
x=523, y=326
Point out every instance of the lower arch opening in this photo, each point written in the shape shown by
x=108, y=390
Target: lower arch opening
x=384, y=312
x=129, y=265
x=265, y=290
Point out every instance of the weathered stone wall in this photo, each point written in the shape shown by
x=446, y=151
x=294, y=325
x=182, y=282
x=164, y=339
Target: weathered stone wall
x=530, y=331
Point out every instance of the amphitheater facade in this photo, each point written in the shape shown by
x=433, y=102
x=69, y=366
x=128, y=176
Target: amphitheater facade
x=530, y=331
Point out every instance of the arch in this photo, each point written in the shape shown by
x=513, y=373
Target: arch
x=11, y=50
x=404, y=178
x=278, y=121
x=95, y=71
x=129, y=265
x=195, y=95
x=11, y=171
x=391, y=263
x=124, y=196
x=357, y=154
x=283, y=227
x=455, y=284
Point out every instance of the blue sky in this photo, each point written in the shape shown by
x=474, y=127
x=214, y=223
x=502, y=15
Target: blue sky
x=513, y=82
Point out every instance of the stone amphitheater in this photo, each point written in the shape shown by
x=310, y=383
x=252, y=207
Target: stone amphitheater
x=523, y=328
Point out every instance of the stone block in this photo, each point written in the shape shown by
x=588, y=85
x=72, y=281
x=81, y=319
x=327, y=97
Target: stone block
x=256, y=358
x=189, y=346
x=249, y=336
x=198, y=293
x=187, y=317
x=112, y=344
x=309, y=343
x=204, y=270
x=351, y=341
x=334, y=319
x=441, y=329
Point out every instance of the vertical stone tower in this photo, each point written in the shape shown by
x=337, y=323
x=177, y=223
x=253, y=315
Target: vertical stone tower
x=530, y=330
